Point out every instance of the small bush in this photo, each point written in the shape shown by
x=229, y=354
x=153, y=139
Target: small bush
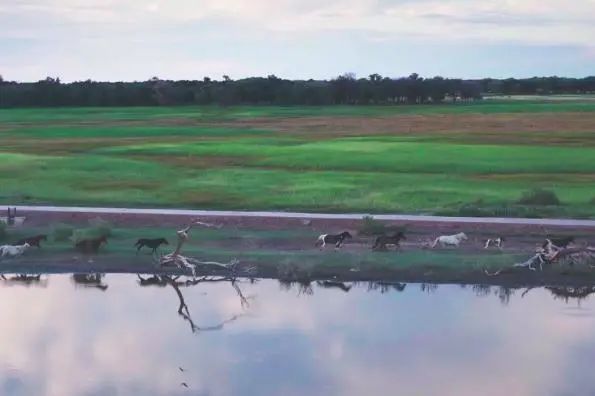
x=90, y=233
x=539, y=196
x=103, y=227
x=2, y=230
x=371, y=226
x=62, y=232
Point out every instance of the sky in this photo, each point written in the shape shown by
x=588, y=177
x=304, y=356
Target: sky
x=125, y=40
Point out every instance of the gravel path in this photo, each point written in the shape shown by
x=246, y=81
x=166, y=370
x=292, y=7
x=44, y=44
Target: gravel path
x=311, y=216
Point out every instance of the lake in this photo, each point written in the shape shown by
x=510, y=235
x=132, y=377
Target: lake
x=267, y=338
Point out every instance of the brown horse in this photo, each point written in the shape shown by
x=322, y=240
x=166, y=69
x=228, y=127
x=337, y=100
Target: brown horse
x=150, y=243
x=33, y=241
x=383, y=240
x=91, y=245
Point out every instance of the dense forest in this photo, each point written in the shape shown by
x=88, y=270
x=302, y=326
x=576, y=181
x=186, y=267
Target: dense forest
x=271, y=90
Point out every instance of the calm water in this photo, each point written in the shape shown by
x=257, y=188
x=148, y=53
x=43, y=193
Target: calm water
x=58, y=339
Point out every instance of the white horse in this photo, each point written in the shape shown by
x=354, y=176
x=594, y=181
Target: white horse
x=450, y=240
x=13, y=250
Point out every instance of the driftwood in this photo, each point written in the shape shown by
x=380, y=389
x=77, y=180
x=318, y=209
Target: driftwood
x=551, y=254
x=178, y=260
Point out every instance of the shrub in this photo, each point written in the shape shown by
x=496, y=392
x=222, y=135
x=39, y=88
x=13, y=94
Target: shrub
x=62, y=232
x=2, y=230
x=103, y=227
x=539, y=196
x=90, y=233
x=371, y=226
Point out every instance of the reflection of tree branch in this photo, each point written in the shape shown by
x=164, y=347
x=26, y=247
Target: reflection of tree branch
x=183, y=310
x=527, y=290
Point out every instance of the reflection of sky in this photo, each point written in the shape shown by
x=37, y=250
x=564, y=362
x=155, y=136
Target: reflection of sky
x=130, y=340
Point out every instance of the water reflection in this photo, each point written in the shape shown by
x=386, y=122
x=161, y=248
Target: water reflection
x=91, y=281
x=571, y=293
x=322, y=337
x=24, y=280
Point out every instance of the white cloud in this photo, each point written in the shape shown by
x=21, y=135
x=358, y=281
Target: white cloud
x=135, y=39
x=527, y=21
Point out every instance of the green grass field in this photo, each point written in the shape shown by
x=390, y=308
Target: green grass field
x=470, y=159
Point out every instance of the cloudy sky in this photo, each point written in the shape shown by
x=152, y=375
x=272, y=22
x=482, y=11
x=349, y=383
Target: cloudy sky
x=189, y=39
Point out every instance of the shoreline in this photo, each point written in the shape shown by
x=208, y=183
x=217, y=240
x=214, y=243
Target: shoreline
x=283, y=247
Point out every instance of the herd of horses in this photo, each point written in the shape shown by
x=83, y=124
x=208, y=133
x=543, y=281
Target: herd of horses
x=380, y=243
x=87, y=245
x=383, y=241
x=92, y=245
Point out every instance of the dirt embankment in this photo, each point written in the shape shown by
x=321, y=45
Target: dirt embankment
x=421, y=227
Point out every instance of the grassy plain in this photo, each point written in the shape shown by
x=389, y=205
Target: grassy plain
x=475, y=159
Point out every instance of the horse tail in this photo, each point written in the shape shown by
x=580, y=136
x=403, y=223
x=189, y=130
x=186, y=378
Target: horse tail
x=320, y=240
x=138, y=243
x=435, y=242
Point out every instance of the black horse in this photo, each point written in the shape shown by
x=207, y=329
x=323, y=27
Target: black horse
x=384, y=240
x=336, y=239
x=150, y=243
x=33, y=241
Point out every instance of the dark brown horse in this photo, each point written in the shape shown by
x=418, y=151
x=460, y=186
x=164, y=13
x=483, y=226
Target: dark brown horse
x=33, y=241
x=91, y=245
x=150, y=243
x=384, y=240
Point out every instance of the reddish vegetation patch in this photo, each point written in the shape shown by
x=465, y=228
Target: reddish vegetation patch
x=103, y=185
x=194, y=162
x=547, y=128
x=212, y=197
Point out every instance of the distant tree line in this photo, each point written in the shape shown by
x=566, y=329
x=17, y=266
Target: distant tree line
x=271, y=90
